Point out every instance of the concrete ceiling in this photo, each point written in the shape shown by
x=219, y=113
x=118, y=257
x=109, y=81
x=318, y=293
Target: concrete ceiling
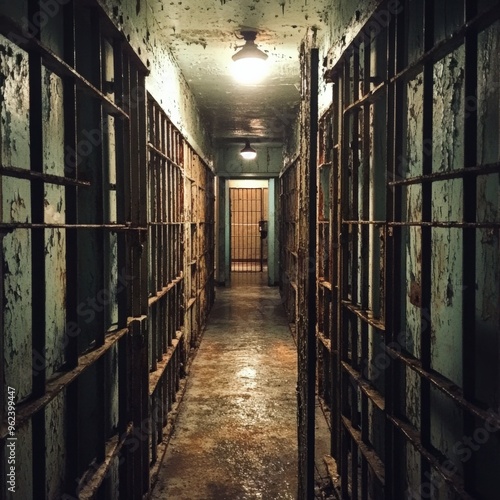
x=203, y=35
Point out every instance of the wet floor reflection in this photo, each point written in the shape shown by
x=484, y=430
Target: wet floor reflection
x=235, y=437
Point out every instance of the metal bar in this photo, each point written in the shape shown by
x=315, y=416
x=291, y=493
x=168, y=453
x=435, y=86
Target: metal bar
x=369, y=98
x=72, y=279
x=10, y=226
x=92, y=482
x=426, y=237
x=445, y=386
x=161, y=293
x=363, y=222
x=469, y=241
x=56, y=385
x=463, y=225
x=394, y=111
x=364, y=315
x=453, y=482
x=141, y=154
x=465, y=173
x=38, y=313
x=436, y=52
x=369, y=454
x=366, y=387
x=163, y=155
x=336, y=280
x=58, y=65
x=121, y=209
x=157, y=375
x=312, y=278
x=38, y=175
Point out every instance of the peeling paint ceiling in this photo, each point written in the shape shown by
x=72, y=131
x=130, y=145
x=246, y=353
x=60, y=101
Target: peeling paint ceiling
x=204, y=34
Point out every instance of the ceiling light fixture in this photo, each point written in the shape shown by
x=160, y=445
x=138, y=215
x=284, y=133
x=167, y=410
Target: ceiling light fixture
x=248, y=152
x=249, y=62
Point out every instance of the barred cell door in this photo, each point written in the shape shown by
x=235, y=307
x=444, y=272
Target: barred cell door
x=248, y=229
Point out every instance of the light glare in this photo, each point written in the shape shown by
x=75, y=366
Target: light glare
x=249, y=70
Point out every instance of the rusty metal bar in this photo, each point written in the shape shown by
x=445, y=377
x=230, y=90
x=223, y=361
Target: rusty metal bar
x=60, y=67
x=426, y=236
x=447, y=387
x=38, y=175
x=72, y=278
x=363, y=222
x=393, y=268
x=368, y=98
x=10, y=226
x=55, y=386
x=365, y=386
x=364, y=315
x=165, y=224
x=164, y=156
x=335, y=242
x=453, y=482
x=159, y=373
x=372, y=459
x=436, y=52
x=469, y=241
x=38, y=271
x=92, y=481
x=472, y=172
x=161, y=293
x=122, y=176
x=463, y=225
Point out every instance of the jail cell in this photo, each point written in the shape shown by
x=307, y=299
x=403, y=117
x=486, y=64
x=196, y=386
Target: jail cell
x=72, y=274
x=418, y=260
x=326, y=266
x=249, y=208
x=288, y=222
x=166, y=263
x=200, y=233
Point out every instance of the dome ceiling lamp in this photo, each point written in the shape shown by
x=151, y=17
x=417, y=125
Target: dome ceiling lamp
x=249, y=62
x=248, y=153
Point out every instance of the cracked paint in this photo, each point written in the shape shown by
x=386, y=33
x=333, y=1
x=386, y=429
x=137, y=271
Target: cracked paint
x=15, y=206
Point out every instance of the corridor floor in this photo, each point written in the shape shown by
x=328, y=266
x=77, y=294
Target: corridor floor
x=235, y=436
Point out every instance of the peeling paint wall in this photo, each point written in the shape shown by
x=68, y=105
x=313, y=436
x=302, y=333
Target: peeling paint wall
x=55, y=239
x=165, y=82
x=15, y=207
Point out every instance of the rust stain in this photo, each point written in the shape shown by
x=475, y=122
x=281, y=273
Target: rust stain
x=416, y=294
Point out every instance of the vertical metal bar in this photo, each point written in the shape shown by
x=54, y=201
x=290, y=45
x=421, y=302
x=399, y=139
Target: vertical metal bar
x=393, y=268
x=143, y=287
x=335, y=272
x=469, y=240
x=37, y=258
x=366, y=252
x=425, y=340
x=262, y=215
x=71, y=193
x=354, y=466
x=312, y=278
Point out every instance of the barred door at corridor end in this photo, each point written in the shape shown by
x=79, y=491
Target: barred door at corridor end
x=248, y=231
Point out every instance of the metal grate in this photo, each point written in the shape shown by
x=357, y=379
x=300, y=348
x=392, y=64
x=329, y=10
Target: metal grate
x=409, y=363
x=248, y=210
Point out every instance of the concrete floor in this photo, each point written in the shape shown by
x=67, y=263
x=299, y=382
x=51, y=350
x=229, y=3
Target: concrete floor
x=235, y=436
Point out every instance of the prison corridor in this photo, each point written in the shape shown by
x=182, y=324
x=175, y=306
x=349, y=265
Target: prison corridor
x=236, y=433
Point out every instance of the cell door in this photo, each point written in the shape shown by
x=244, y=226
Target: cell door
x=249, y=229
